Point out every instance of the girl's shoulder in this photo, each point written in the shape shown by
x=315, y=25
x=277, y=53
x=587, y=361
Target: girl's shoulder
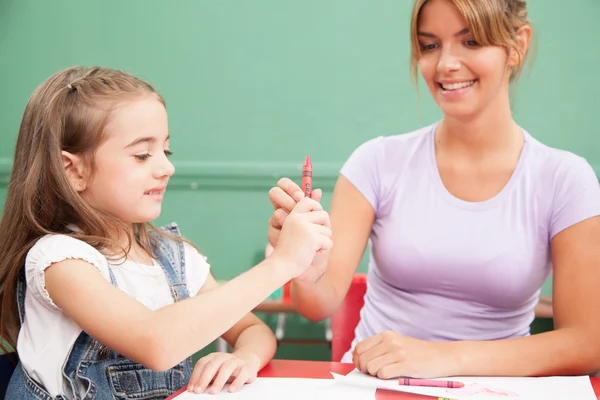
x=52, y=249
x=57, y=247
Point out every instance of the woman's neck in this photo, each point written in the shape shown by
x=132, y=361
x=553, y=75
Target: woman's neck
x=493, y=131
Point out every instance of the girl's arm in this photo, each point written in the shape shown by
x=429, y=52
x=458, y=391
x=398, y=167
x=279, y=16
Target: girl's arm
x=253, y=345
x=162, y=338
x=250, y=338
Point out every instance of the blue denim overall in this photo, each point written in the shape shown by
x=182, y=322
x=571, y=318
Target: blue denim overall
x=103, y=373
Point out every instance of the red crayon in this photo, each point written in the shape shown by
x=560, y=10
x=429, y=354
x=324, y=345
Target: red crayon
x=389, y=394
x=307, y=177
x=430, y=382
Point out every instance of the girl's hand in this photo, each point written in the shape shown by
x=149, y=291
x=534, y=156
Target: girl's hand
x=305, y=233
x=222, y=368
x=284, y=198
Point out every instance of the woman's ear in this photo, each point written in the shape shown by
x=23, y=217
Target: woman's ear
x=74, y=170
x=518, y=53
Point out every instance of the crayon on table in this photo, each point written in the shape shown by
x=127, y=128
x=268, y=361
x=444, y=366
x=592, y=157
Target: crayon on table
x=389, y=394
x=430, y=382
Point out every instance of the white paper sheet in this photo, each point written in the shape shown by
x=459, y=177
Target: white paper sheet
x=289, y=389
x=358, y=386
x=488, y=388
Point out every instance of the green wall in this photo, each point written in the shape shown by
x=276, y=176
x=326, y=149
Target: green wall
x=254, y=86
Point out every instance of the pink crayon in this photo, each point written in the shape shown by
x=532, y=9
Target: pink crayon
x=429, y=382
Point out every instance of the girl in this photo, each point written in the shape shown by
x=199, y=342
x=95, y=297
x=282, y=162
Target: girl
x=98, y=302
x=466, y=218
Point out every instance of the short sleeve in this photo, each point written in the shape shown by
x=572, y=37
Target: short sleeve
x=52, y=249
x=196, y=269
x=363, y=171
x=576, y=194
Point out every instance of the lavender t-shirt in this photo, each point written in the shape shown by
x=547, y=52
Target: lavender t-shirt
x=442, y=268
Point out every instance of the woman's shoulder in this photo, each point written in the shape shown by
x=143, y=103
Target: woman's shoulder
x=389, y=152
x=565, y=181
x=558, y=164
x=404, y=141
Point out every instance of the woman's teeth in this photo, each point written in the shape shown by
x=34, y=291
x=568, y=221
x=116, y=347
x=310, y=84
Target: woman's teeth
x=457, y=85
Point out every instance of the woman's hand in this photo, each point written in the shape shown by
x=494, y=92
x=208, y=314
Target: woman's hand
x=284, y=198
x=390, y=355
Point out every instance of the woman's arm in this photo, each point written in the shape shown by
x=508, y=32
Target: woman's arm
x=352, y=219
x=572, y=348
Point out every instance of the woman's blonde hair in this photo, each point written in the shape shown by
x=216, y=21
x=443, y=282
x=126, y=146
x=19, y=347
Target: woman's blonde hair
x=67, y=112
x=492, y=23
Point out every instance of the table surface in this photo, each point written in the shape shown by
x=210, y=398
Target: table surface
x=322, y=369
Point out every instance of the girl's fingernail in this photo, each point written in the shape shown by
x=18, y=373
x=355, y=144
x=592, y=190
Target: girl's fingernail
x=298, y=195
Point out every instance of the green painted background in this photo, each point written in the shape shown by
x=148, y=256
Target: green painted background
x=252, y=87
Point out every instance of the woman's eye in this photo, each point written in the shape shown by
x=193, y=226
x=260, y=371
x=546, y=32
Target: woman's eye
x=428, y=47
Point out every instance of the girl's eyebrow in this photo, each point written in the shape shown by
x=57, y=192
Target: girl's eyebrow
x=149, y=139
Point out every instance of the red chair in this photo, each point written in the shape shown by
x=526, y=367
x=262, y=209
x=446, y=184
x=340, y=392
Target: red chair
x=346, y=317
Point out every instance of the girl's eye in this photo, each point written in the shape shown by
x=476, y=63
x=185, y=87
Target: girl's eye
x=143, y=157
x=471, y=43
x=168, y=153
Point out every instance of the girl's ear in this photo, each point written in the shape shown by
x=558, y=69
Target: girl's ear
x=75, y=171
x=523, y=40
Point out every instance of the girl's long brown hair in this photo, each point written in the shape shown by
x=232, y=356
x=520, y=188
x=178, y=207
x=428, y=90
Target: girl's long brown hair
x=67, y=112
